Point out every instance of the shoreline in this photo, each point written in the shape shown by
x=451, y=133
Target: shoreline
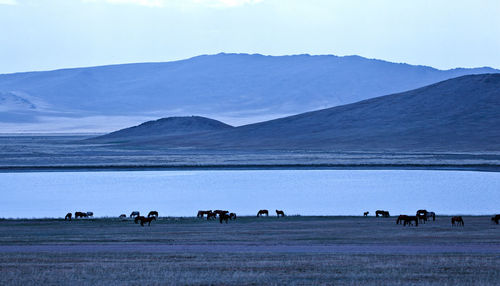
x=246, y=167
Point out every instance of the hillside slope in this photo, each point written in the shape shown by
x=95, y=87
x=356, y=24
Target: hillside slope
x=237, y=88
x=460, y=114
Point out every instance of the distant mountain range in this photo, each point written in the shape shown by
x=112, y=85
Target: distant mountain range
x=460, y=114
x=237, y=88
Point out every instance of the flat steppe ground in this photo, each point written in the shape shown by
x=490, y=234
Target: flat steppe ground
x=294, y=250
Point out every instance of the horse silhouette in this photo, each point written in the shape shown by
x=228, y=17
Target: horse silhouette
x=401, y=219
x=458, y=220
x=280, y=213
x=68, y=216
x=496, y=218
x=80, y=214
x=143, y=220
x=223, y=217
x=211, y=215
x=135, y=214
x=203, y=213
x=153, y=213
x=366, y=213
x=90, y=214
x=431, y=214
x=409, y=219
x=232, y=216
x=382, y=213
x=123, y=216
x=263, y=212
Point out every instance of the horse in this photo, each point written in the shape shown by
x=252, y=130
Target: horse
x=496, y=218
x=80, y=214
x=144, y=220
x=219, y=212
x=382, y=213
x=263, y=212
x=232, y=216
x=422, y=215
x=68, y=216
x=90, y=214
x=431, y=214
x=223, y=217
x=211, y=215
x=280, y=213
x=153, y=213
x=458, y=220
x=135, y=214
x=203, y=213
x=123, y=216
x=401, y=219
x=366, y=213
x=408, y=220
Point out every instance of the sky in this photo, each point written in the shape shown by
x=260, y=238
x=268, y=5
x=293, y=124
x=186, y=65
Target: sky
x=53, y=34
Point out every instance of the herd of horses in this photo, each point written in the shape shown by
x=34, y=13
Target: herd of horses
x=421, y=216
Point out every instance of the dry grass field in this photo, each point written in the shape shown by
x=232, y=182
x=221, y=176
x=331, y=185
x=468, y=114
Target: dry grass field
x=251, y=251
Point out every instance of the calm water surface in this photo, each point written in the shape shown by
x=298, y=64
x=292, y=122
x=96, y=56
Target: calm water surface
x=305, y=192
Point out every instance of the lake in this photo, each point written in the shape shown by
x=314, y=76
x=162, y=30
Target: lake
x=304, y=192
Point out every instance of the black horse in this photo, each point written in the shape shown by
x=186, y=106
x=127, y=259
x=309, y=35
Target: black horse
x=223, y=217
x=496, y=218
x=68, y=216
x=262, y=212
x=382, y=213
x=143, y=220
x=409, y=219
x=457, y=220
x=80, y=214
x=280, y=213
x=366, y=213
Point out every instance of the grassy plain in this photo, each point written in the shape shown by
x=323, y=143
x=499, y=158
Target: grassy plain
x=250, y=251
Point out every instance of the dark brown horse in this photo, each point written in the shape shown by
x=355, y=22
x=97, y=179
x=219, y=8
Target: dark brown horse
x=203, y=213
x=153, y=213
x=143, y=220
x=496, y=218
x=366, y=213
x=80, y=214
x=280, y=213
x=263, y=212
x=223, y=217
x=382, y=213
x=409, y=219
x=68, y=216
x=232, y=216
x=458, y=220
x=401, y=219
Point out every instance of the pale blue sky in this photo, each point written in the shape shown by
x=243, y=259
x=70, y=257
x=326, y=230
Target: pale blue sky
x=51, y=34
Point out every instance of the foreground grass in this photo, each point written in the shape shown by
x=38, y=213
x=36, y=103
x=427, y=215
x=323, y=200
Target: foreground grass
x=247, y=269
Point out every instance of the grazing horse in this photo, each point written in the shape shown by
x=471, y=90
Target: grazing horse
x=232, y=216
x=123, y=216
x=280, y=213
x=68, y=216
x=496, y=218
x=211, y=215
x=135, y=214
x=220, y=212
x=153, y=213
x=203, y=213
x=263, y=212
x=366, y=213
x=408, y=220
x=90, y=214
x=431, y=214
x=458, y=220
x=144, y=220
x=422, y=215
x=382, y=213
x=80, y=214
x=401, y=218
x=223, y=217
